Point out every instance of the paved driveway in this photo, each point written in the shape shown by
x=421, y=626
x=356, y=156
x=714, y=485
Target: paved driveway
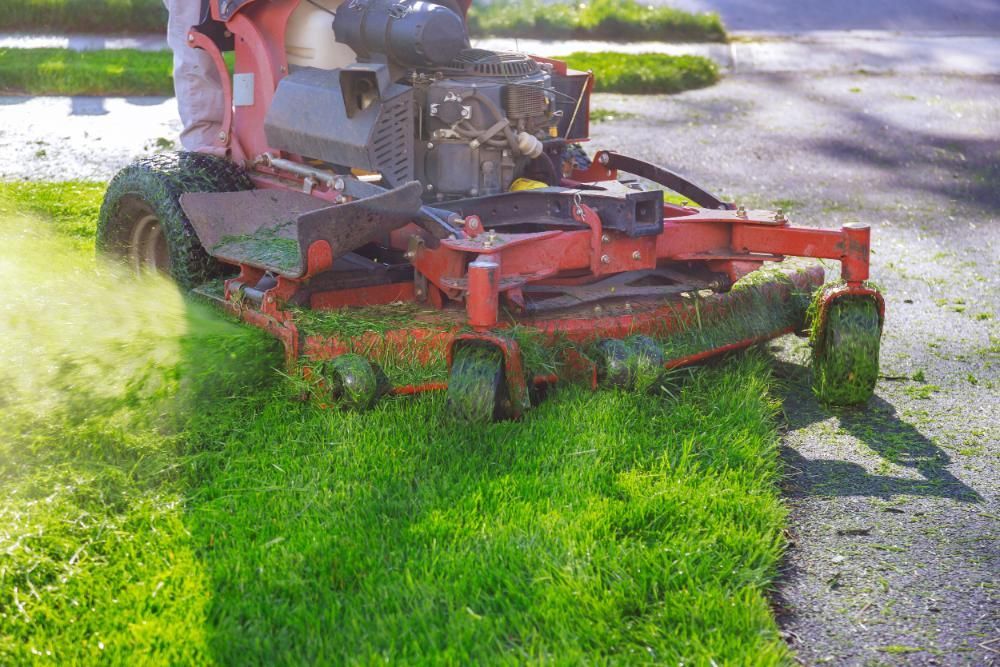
x=961, y=16
x=896, y=508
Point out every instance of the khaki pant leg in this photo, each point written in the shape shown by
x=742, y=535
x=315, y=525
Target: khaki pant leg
x=196, y=82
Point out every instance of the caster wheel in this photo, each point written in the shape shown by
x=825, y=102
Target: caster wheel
x=845, y=352
x=645, y=360
x=612, y=363
x=477, y=391
x=633, y=363
x=351, y=381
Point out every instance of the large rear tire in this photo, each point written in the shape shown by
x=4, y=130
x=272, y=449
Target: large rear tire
x=142, y=223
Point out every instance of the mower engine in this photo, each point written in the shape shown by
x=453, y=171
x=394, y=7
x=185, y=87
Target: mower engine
x=482, y=122
x=421, y=104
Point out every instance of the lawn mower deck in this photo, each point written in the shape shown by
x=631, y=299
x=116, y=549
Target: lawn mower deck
x=419, y=219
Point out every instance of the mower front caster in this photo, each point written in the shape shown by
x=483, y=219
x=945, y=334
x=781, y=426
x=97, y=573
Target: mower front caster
x=845, y=351
x=477, y=388
x=351, y=381
x=633, y=363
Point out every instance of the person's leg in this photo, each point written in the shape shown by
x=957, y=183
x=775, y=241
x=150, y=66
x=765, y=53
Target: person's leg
x=196, y=81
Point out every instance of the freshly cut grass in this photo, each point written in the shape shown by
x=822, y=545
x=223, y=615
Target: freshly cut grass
x=104, y=16
x=67, y=72
x=130, y=72
x=599, y=19
x=166, y=501
x=645, y=73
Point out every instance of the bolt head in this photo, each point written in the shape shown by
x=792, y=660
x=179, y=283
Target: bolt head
x=637, y=255
x=472, y=222
x=605, y=259
x=605, y=238
x=222, y=136
x=190, y=37
x=604, y=159
x=430, y=145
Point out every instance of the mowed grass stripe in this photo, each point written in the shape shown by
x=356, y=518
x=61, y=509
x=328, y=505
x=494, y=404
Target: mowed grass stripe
x=618, y=20
x=129, y=72
x=219, y=519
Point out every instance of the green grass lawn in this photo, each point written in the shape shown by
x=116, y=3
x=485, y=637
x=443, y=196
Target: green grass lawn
x=168, y=502
x=613, y=20
x=130, y=72
x=618, y=20
x=645, y=73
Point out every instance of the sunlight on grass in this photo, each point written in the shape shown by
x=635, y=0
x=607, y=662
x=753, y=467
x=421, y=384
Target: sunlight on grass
x=95, y=559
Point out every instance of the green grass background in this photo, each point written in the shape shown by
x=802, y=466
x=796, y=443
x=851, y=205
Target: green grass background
x=168, y=502
x=618, y=20
x=129, y=72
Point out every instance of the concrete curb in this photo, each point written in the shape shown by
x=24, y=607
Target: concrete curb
x=751, y=52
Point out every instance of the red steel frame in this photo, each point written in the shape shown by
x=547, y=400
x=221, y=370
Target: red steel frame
x=485, y=269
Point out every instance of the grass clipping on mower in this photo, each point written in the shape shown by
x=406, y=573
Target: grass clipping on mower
x=845, y=346
x=400, y=339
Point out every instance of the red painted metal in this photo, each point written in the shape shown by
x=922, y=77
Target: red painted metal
x=692, y=359
x=199, y=41
x=483, y=300
x=479, y=266
x=363, y=296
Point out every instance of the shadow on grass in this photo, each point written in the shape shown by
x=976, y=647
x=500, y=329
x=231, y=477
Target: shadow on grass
x=878, y=427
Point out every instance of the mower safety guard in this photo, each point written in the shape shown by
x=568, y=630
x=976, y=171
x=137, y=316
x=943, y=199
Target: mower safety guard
x=256, y=227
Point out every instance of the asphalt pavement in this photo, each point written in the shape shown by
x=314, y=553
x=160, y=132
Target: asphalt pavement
x=895, y=508
x=950, y=16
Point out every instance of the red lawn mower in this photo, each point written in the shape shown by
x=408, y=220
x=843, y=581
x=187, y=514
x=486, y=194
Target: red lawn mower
x=406, y=213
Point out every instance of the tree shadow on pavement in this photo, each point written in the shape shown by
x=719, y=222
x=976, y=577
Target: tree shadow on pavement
x=878, y=139
x=878, y=427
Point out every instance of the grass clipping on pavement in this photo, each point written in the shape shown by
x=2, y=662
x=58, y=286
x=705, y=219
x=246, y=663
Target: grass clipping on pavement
x=165, y=499
x=616, y=20
x=129, y=72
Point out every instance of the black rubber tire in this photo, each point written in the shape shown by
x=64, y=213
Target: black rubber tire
x=352, y=381
x=645, y=361
x=633, y=363
x=477, y=387
x=612, y=363
x=845, y=356
x=141, y=219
